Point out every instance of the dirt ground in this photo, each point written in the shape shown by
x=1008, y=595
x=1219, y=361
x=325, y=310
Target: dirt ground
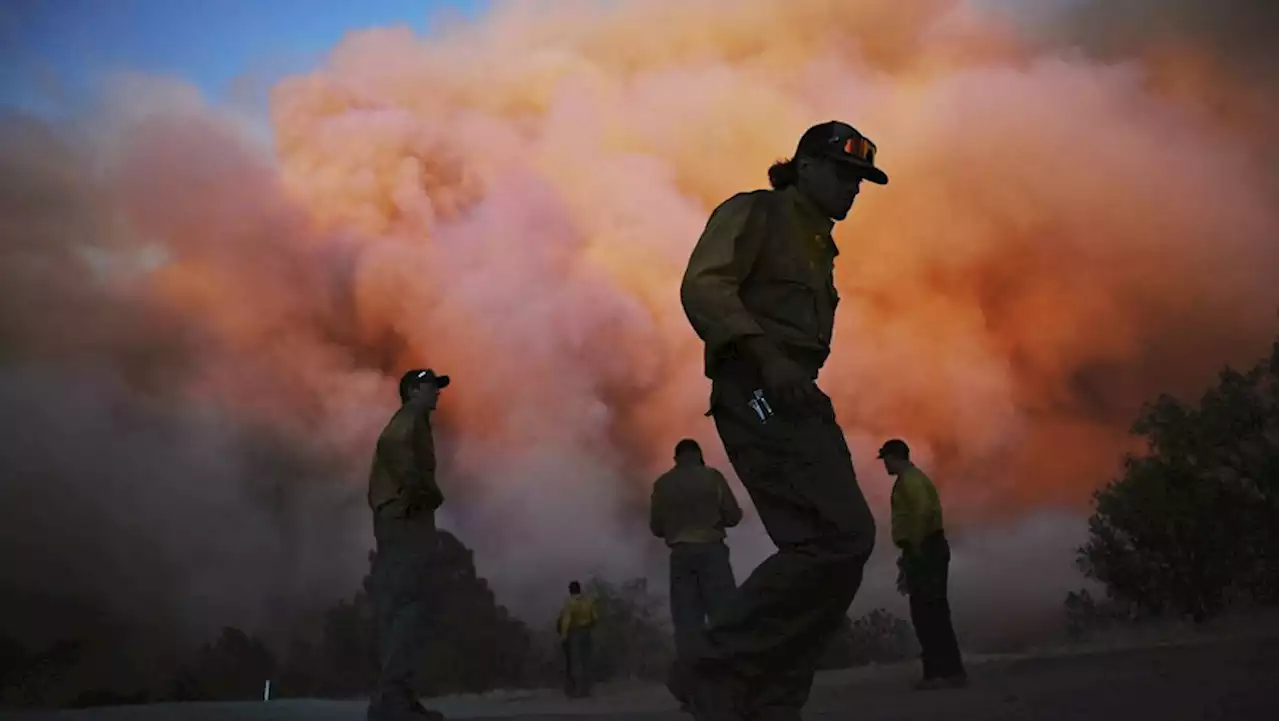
x=1220, y=680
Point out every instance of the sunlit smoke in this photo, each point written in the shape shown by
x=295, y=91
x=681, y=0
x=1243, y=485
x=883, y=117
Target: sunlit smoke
x=513, y=201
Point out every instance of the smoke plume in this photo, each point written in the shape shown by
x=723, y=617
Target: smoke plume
x=201, y=332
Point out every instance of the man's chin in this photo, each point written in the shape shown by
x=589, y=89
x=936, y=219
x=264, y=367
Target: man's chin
x=841, y=210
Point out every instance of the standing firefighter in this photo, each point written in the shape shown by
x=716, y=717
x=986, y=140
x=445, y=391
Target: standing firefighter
x=404, y=497
x=917, y=531
x=577, y=620
x=690, y=507
x=760, y=292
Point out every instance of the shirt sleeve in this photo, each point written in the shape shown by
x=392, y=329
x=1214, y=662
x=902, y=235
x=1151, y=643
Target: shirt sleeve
x=730, y=511
x=720, y=262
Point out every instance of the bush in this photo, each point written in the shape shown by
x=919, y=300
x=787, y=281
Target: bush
x=36, y=679
x=1192, y=524
x=877, y=637
x=631, y=639
x=473, y=644
x=1085, y=614
x=232, y=668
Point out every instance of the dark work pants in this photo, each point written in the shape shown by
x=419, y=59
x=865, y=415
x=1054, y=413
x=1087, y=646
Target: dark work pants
x=577, y=662
x=401, y=602
x=925, y=572
x=701, y=582
x=798, y=470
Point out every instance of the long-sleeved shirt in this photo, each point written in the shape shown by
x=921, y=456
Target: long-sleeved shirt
x=692, y=503
x=915, y=508
x=578, y=613
x=404, y=462
x=763, y=266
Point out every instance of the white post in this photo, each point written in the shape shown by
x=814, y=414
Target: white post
x=266, y=691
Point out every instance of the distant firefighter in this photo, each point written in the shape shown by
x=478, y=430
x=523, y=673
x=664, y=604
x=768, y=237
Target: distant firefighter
x=690, y=507
x=576, y=624
x=404, y=497
x=926, y=555
x=760, y=292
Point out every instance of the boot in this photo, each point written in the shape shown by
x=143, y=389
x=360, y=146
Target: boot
x=941, y=682
x=709, y=692
x=427, y=714
x=400, y=709
x=394, y=713
x=775, y=714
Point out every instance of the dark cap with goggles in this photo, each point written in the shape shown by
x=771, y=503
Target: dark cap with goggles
x=843, y=143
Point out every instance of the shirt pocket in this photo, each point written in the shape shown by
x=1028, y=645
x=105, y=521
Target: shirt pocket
x=791, y=295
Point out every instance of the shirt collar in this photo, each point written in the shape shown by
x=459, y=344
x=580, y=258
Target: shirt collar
x=812, y=218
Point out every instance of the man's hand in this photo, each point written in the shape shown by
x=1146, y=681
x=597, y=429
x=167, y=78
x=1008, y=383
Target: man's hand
x=786, y=384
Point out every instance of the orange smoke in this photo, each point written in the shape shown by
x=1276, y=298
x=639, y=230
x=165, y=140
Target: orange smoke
x=1057, y=241
x=513, y=202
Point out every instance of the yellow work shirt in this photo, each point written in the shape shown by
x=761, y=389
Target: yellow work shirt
x=916, y=509
x=578, y=612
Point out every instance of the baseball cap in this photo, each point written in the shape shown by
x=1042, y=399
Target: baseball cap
x=416, y=377
x=842, y=142
x=428, y=375
x=895, y=447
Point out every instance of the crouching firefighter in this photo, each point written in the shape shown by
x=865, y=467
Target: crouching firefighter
x=404, y=497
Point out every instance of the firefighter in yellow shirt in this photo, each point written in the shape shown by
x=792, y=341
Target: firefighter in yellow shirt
x=917, y=531
x=577, y=620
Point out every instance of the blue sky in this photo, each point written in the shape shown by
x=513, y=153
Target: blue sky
x=54, y=51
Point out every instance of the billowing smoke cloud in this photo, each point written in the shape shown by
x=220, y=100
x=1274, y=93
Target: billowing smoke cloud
x=1214, y=57
x=200, y=337
x=1231, y=35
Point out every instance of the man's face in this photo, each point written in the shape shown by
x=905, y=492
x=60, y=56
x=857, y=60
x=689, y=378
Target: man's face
x=830, y=184
x=893, y=465
x=427, y=393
